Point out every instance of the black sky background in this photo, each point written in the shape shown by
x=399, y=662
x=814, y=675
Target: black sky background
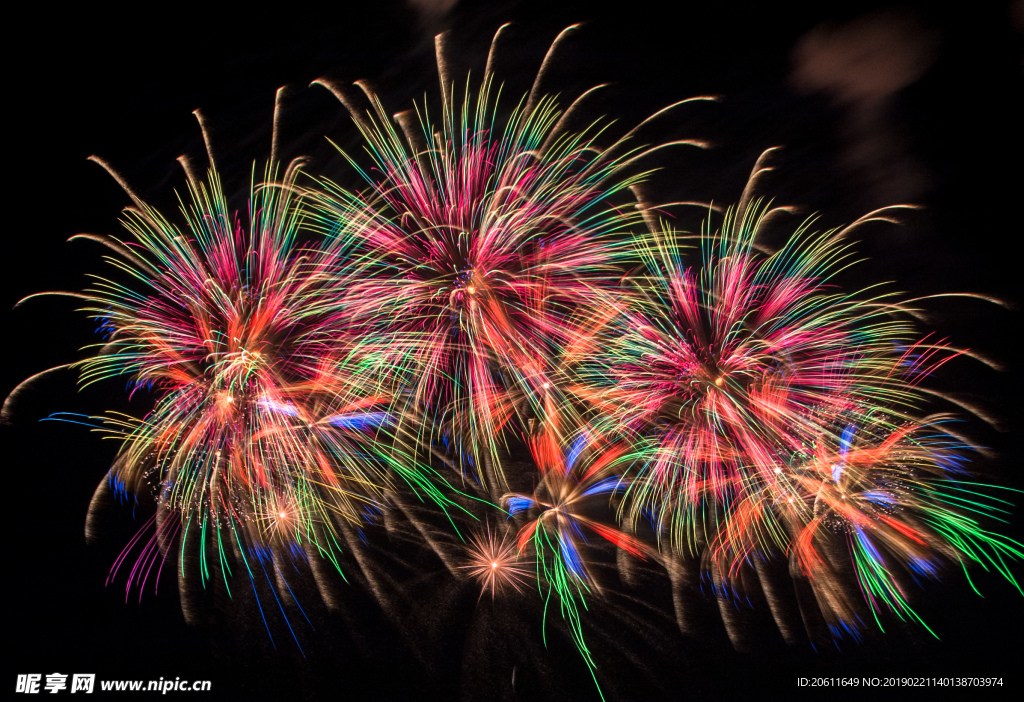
x=123, y=86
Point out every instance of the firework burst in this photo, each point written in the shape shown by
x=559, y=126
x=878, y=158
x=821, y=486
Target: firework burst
x=730, y=369
x=775, y=412
x=495, y=562
x=477, y=239
x=579, y=474
x=897, y=498
x=268, y=430
x=263, y=424
x=482, y=298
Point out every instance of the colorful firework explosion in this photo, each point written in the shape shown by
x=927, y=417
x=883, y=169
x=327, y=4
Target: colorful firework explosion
x=478, y=303
x=476, y=243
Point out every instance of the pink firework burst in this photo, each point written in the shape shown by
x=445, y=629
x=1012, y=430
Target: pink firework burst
x=477, y=241
x=733, y=368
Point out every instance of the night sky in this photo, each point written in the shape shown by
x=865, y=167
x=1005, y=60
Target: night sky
x=874, y=105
